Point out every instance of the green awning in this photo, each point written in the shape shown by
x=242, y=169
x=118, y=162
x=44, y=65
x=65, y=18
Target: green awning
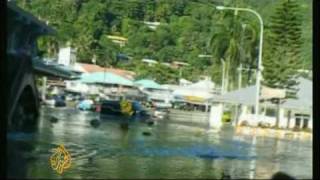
x=105, y=78
x=146, y=83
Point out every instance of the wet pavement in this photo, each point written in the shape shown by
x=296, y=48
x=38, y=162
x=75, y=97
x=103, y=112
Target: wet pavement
x=170, y=151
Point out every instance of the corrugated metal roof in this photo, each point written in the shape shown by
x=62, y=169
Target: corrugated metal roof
x=92, y=68
x=146, y=83
x=53, y=69
x=106, y=78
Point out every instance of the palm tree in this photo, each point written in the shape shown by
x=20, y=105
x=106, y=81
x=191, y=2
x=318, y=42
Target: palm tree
x=231, y=43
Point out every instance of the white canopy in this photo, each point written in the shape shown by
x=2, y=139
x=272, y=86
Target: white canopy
x=204, y=85
x=246, y=96
x=202, y=89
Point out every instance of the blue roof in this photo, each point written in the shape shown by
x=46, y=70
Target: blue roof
x=107, y=78
x=146, y=83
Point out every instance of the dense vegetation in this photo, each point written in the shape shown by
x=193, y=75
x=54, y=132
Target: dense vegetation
x=188, y=28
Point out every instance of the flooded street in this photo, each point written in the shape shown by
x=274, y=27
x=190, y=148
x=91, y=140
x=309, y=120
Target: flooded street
x=171, y=151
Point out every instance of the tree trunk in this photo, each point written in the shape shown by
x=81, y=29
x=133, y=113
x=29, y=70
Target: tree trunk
x=227, y=76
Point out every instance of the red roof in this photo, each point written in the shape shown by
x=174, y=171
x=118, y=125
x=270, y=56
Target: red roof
x=91, y=68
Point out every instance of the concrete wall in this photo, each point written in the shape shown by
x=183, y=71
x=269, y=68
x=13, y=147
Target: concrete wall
x=250, y=118
x=216, y=112
x=192, y=117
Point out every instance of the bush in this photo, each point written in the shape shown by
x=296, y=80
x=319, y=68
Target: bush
x=226, y=117
x=263, y=125
x=307, y=130
x=244, y=123
x=296, y=128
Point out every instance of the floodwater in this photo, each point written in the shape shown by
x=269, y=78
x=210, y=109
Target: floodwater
x=171, y=151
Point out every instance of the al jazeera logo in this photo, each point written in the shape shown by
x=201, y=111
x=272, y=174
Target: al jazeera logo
x=60, y=160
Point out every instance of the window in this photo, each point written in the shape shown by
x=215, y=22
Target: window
x=251, y=110
x=270, y=112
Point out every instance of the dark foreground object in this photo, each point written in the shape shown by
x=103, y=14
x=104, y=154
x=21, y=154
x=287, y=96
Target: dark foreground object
x=124, y=126
x=281, y=175
x=146, y=133
x=95, y=123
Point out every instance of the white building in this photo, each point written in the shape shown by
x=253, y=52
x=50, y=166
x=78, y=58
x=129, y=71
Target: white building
x=152, y=25
x=67, y=56
x=300, y=108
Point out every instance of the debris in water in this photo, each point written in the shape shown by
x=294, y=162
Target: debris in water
x=150, y=123
x=95, y=123
x=225, y=176
x=124, y=126
x=53, y=119
x=146, y=133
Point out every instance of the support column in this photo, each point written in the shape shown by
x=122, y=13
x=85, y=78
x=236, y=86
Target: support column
x=243, y=111
x=310, y=120
x=289, y=119
x=301, y=122
x=282, y=120
x=236, y=115
x=44, y=87
x=216, y=111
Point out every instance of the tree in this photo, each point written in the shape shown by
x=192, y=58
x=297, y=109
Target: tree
x=186, y=26
x=283, y=60
x=229, y=41
x=107, y=54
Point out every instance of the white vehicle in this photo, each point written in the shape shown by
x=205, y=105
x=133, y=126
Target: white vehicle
x=160, y=113
x=161, y=103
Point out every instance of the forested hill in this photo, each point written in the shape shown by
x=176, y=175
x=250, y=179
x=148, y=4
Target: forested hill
x=187, y=28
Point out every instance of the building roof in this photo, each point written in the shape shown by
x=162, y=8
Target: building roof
x=105, y=78
x=92, y=68
x=203, y=85
x=150, y=61
x=146, y=83
x=53, y=69
x=246, y=96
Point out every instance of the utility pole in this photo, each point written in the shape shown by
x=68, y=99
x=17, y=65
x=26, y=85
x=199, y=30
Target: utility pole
x=44, y=87
x=222, y=71
x=259, y=64
x=223, y=76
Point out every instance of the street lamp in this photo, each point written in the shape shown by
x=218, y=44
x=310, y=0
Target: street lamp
x=259, y=67
x=223, y=69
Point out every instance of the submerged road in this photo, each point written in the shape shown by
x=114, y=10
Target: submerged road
x=169, y=151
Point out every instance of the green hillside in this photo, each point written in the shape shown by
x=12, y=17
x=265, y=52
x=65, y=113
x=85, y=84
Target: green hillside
x=187, y=28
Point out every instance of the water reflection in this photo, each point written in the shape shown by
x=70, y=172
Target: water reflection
x=172, y=151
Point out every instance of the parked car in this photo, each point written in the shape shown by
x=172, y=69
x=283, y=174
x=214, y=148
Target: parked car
x=59, y=101
x=160, y=113
x=112, y=109
x=161, y=104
